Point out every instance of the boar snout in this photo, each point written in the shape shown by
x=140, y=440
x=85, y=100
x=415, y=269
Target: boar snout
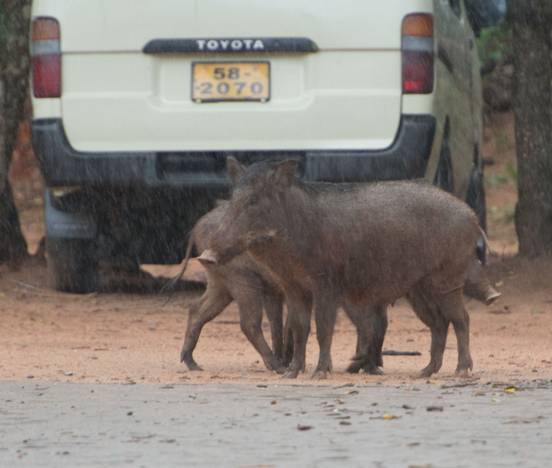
x=208, y=257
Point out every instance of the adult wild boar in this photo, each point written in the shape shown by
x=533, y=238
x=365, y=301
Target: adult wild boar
x=250, y=285
x=365, y=245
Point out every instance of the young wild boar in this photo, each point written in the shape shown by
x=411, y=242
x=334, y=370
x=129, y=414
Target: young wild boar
x=250, y=285
x=366, y=245
x=238, y=280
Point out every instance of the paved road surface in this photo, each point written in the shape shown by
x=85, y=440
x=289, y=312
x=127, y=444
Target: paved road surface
x=63, y=424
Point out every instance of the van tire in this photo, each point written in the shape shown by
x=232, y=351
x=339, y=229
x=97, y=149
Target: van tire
x=476, y=197
x=72, y=265
x=444, y=178
x=477, y=201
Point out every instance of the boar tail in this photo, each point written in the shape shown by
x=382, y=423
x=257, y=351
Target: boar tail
x=170, y=284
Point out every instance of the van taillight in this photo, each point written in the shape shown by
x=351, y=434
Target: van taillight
x=46, y=58
x=417, y=54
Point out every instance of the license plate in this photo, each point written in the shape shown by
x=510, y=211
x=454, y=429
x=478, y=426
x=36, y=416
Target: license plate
x=230, y=81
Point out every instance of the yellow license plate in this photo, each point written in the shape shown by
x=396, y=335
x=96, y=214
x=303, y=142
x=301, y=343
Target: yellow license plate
x=230, y=81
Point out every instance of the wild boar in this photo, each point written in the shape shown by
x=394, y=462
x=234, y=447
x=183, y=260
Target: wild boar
x=365, y=245
x=250, y=285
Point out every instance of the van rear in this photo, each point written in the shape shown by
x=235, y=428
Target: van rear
x=180, y=82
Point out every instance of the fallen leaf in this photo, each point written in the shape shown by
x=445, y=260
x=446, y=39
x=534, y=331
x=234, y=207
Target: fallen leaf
x=510, y=390
x=345, y=385
x=500, y=311
x=168, y=441
x=460, y=384
x=525, y=420
x=434, y=408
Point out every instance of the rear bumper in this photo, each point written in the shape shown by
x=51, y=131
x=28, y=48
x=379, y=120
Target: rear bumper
x=62, y=165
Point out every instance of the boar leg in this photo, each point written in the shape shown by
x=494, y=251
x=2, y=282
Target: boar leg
x=273, y=305
x=325, y=314
x=288, y=343
x=299, y=306
x=371, y=326
x=438, y=325
x=213, y=301
x=452, y=307
x=250, y=304
x=379, y=317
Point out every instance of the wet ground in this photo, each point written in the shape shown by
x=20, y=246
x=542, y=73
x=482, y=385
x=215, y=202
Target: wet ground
x=461, y=424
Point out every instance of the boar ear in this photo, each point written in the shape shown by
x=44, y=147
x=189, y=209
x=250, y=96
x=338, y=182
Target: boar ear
x=284, y=173
x=234, y=168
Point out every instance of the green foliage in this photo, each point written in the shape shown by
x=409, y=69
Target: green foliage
x=502, y=214
x=509, y=176
x=512, y=172
x=495, y=44
x=497, y=180
x=503, y=140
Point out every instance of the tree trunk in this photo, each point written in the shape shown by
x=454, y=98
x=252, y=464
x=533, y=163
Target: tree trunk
x=531, y=21
x=14, y=72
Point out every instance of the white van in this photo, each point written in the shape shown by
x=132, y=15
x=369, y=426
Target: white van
x=137, y=104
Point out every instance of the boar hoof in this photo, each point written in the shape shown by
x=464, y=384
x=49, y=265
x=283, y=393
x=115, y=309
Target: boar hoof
x=273, y=364
x=290, y=374
x=319, y=375
x=354, y=367
x=373, y=370
x=190, y=363
x=194, y=366
x=464, y=370
x=463, y=373
x=427, y=371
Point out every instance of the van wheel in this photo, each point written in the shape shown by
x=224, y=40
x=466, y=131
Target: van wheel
x=476, y=197
x=72, y=265
x=476, y=200
x=443, y=177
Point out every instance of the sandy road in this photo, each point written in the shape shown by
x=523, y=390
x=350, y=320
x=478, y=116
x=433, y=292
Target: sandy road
x=124, y=337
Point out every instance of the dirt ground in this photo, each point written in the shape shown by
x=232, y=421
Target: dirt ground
x=131, y=337
x=123, y=337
